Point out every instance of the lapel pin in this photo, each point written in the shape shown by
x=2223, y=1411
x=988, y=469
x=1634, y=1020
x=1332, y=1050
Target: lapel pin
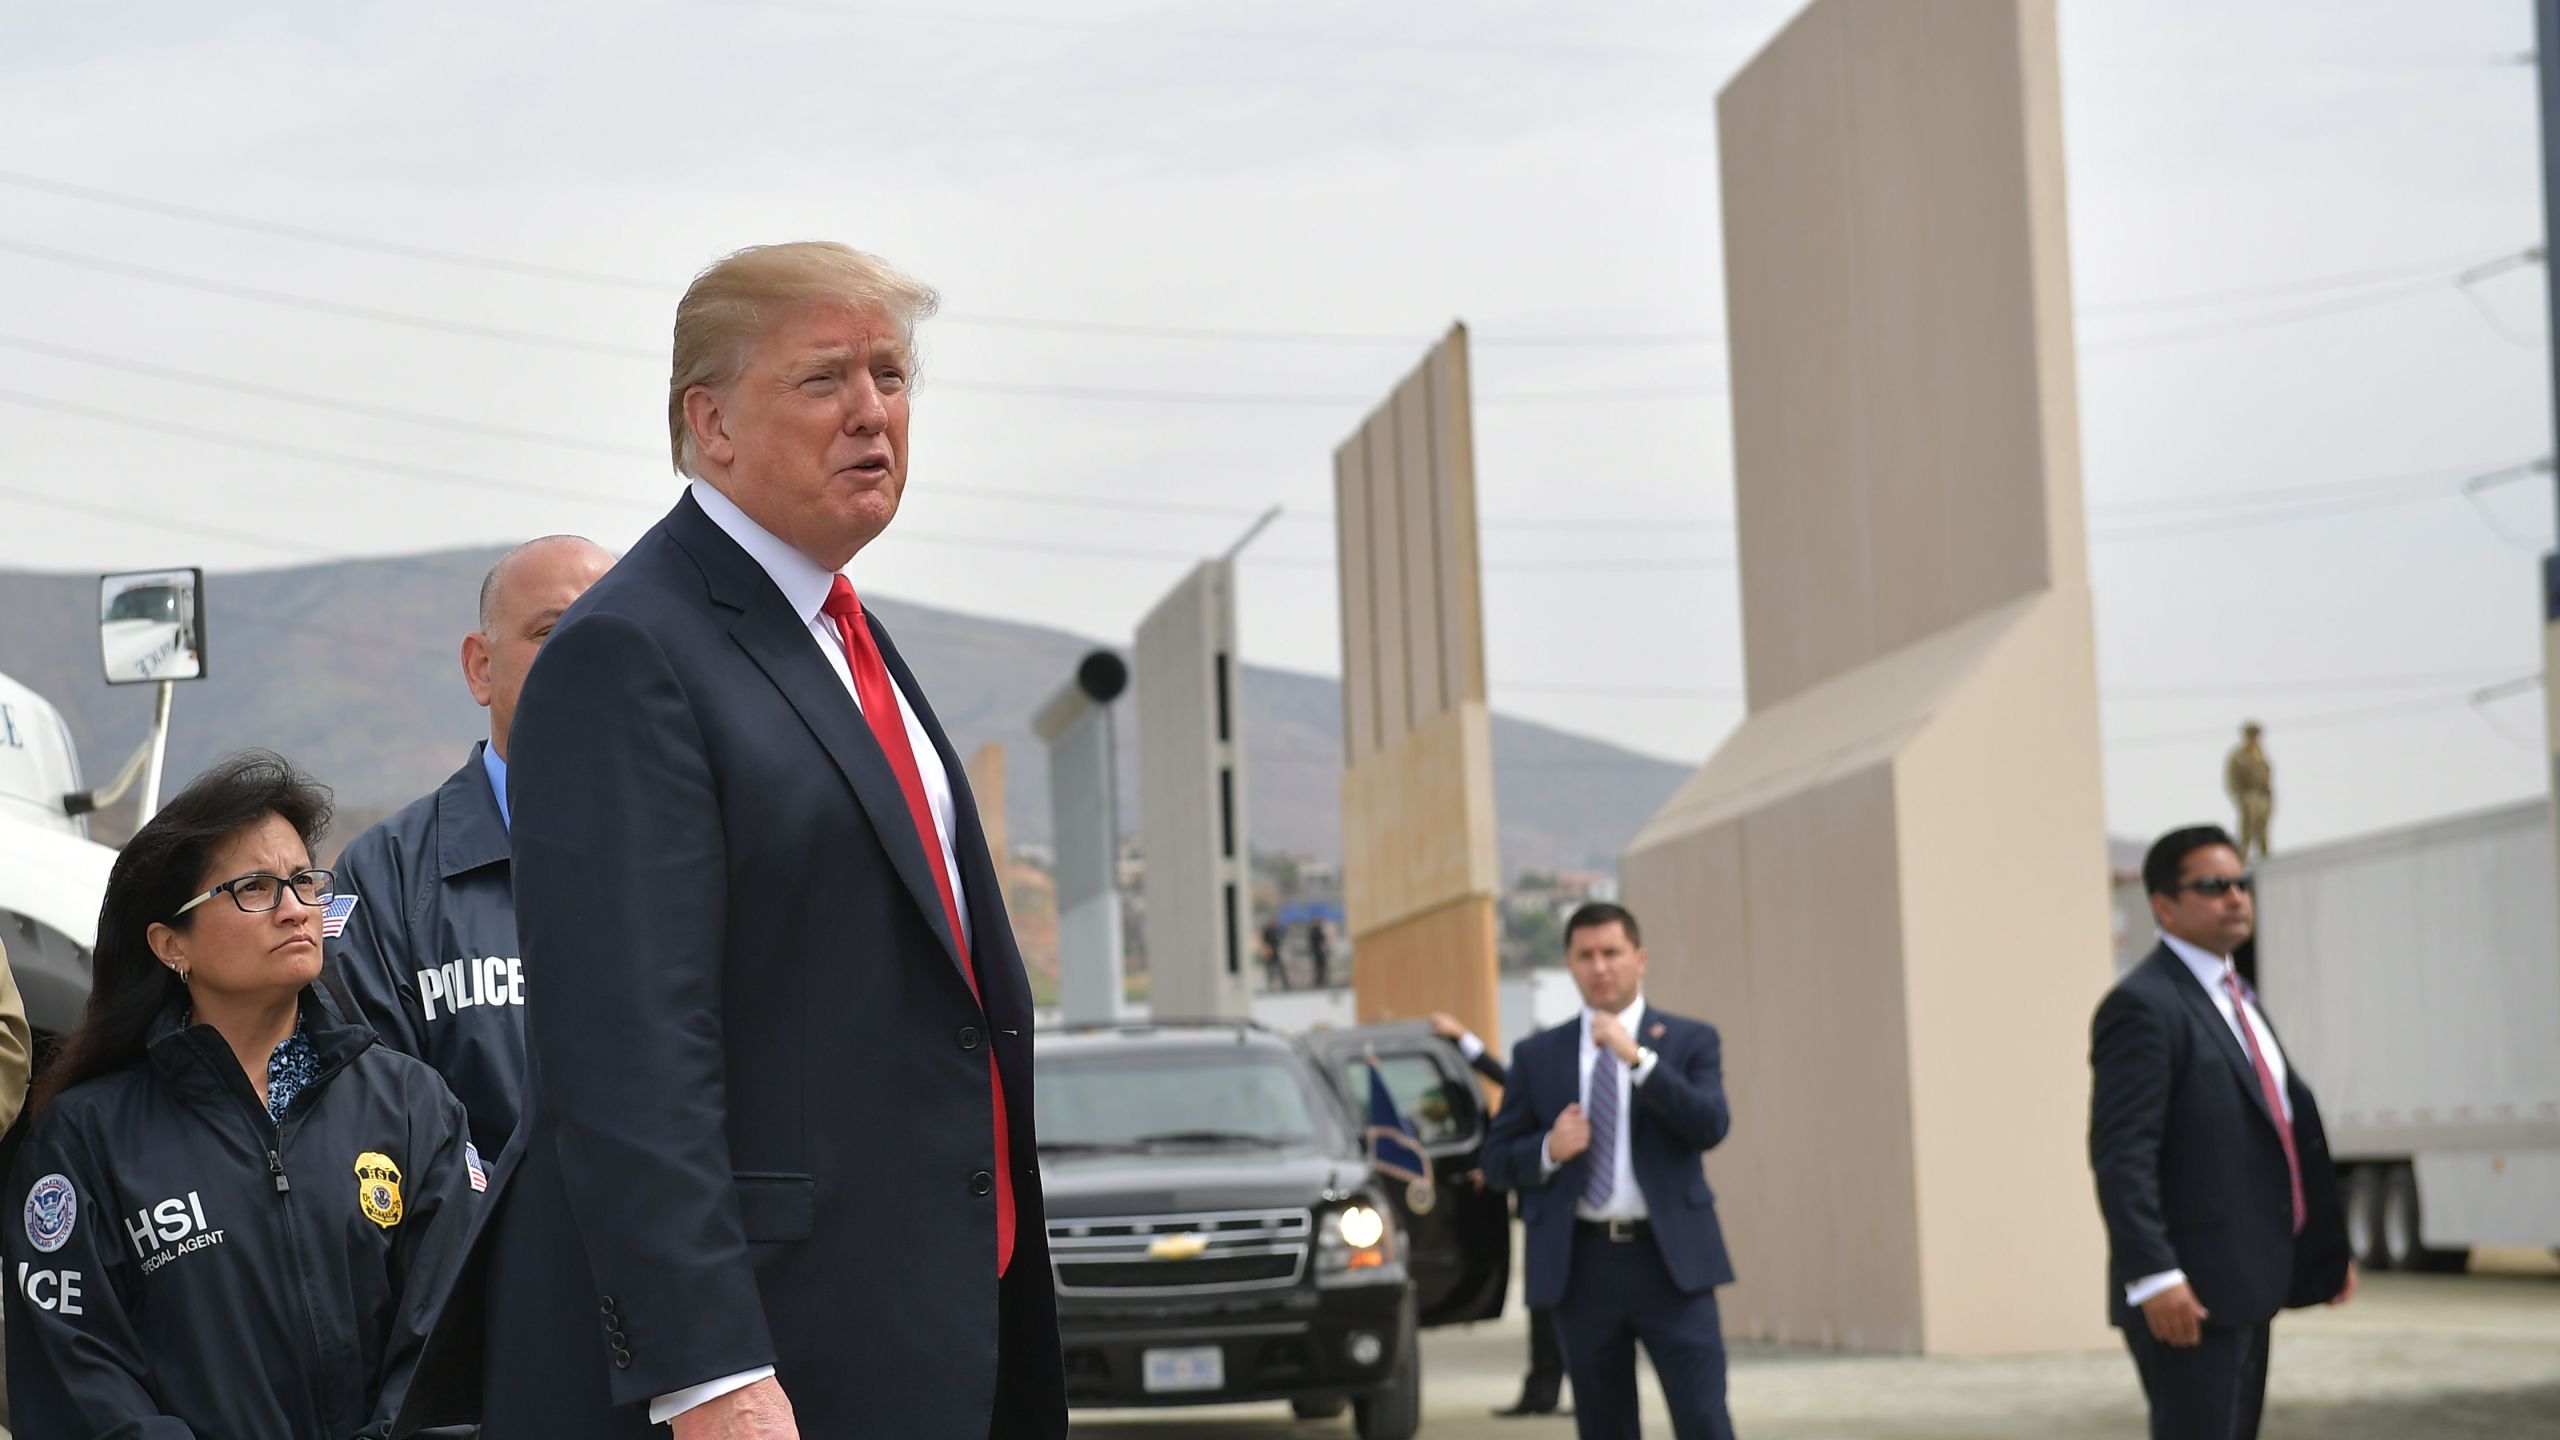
x=1656, y=1032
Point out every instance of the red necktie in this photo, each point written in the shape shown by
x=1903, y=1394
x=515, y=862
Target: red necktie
x=2275, y=1096
x=888, y=725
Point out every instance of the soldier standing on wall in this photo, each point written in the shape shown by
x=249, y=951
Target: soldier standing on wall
x=2252, y=783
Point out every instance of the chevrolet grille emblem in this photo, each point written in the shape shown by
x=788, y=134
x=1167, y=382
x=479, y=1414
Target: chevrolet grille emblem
x=1176, y=1247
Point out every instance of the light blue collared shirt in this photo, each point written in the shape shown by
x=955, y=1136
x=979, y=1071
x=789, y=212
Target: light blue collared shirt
x=496, y=765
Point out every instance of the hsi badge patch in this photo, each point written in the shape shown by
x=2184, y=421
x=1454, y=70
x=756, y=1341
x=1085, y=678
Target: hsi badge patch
x=53, y=1207
x=378, y=1188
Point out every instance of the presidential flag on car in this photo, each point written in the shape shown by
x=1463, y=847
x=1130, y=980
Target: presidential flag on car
x=1394, y=1150
x=333, y=920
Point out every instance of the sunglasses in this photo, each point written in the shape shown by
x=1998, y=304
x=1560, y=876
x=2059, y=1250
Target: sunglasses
x=2214, y=887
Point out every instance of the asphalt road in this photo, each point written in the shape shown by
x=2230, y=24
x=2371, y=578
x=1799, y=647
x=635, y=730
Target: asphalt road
x=2416, y=1357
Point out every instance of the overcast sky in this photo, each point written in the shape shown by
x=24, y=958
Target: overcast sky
x=2282, y=388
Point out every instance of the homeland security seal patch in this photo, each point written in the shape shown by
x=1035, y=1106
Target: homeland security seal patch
x=53, y=1207
x=378, y=1188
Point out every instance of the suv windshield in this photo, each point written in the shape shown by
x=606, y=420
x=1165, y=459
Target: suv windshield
x=1145, y=1097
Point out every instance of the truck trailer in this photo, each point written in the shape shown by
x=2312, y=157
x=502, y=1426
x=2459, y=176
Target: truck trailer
x=2415, y=977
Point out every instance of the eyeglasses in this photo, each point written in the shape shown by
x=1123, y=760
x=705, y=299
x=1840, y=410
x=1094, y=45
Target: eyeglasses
x=2214, y=887
x=257, y=894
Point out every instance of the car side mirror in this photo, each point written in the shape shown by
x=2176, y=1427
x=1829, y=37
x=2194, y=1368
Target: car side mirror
x=151, y=626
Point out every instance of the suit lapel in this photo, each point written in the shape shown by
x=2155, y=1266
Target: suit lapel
x=983, y=890
x=2200, y=1006
x=1660, y=1045
x=1568, y=1079
x=780, y=644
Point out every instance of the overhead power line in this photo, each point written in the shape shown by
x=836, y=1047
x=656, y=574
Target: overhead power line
x=285, y=396
x=2316, y=502
x=2281, y=501
x=1108, y=394
x=457, y=425
x=1330, y=40
x=174, y=524
x=2241, y=509
x=2468, y=264
x=2330, y=719
x=2391, y=295
x=2437, y=268
x=317, y=306
x=2219, y=690
x=663, y=289
x=375, y=465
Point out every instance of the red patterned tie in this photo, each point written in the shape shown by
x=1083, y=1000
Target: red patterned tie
x=888, y=725
x=2267, y=1086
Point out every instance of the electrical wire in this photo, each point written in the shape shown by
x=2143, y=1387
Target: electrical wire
x=2321, y=720
x=2459, y=265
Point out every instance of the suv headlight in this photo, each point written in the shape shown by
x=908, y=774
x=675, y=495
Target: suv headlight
x=1357, y=1234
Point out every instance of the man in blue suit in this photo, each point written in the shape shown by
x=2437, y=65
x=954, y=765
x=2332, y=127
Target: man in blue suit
x=777, y=1176
x=1601, y=1135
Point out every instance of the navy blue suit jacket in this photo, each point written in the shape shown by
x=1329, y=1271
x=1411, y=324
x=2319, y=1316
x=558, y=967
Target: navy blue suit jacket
x=1674, y=1117
x=759, y=1128
x=2191, y=1174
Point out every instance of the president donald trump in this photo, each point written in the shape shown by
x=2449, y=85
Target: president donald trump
x=779, y=1177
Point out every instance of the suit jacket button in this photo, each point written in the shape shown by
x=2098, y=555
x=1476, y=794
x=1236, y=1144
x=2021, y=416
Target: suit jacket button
x=968, y=1037
x=981, y=1183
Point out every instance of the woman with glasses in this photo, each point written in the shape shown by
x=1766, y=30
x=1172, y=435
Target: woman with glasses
x=235, y=1211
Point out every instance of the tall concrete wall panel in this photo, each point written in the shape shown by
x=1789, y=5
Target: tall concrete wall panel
x=1084, y=826
x=1885, y=886
x=1419, y=866
x=1191, y=793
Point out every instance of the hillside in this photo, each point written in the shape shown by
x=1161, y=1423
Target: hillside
x=351, y=669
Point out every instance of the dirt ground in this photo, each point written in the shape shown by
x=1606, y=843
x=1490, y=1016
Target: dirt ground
x=2416, y=1357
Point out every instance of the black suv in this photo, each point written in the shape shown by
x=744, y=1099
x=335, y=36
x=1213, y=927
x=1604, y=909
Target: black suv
x=1219, y=1234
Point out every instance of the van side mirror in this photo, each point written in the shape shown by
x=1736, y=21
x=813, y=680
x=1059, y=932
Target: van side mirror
x=151, y=626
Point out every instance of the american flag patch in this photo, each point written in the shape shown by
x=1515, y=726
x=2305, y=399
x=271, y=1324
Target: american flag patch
x=333, y=921
x=471, y=1157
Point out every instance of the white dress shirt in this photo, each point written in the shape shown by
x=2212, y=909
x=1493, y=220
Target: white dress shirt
x=805, y=586
x=1626, y=1197
x=2213, y=973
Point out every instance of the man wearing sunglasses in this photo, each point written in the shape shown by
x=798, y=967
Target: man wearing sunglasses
x=2213, y=1172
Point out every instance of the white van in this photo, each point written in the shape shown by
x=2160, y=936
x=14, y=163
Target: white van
x=52, y=876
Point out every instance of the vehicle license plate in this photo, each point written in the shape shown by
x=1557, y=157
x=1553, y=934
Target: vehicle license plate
x=1204, y=1368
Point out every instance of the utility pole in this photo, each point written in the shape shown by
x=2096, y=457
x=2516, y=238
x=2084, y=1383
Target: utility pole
x=2546, y=64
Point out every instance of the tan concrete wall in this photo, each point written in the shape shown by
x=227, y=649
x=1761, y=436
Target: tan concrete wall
x=1417, y=790
x=1412, y=602
x=1886, y=887
x=2007, y=949
x=1437, y=960
x=986, y=783
x=1407, y=845
x=1782, y=928
x=1898, y=287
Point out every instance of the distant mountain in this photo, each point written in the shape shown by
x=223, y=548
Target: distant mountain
x=352, y=669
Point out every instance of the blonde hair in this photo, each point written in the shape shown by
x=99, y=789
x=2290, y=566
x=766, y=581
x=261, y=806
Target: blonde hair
x=730, y=306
